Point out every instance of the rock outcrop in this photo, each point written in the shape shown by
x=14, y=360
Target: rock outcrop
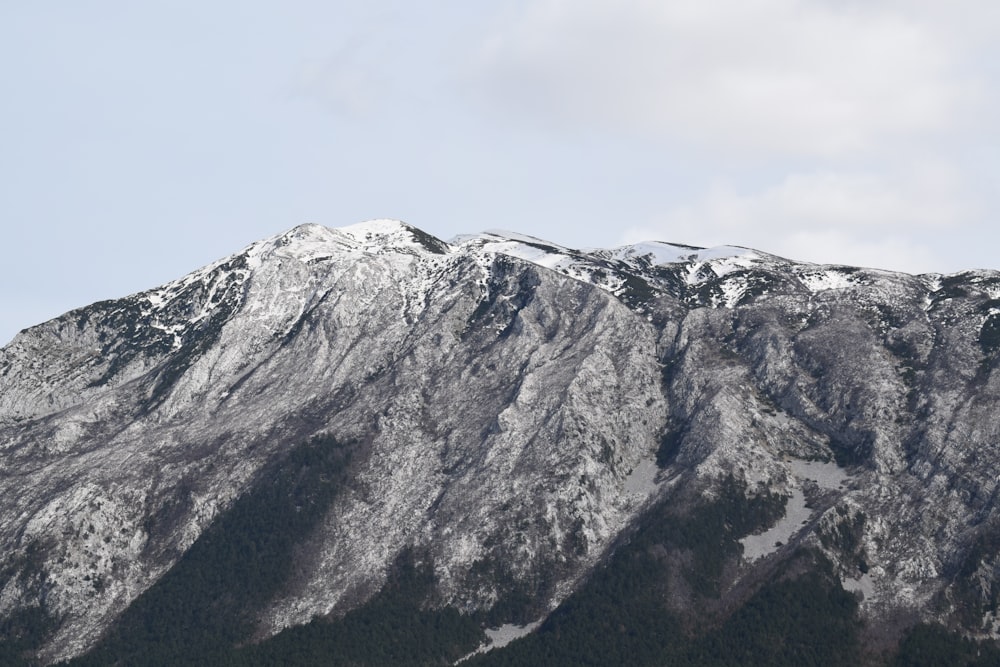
x=512, y=409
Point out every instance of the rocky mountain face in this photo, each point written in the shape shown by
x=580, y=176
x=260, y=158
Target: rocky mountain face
x=331, y=412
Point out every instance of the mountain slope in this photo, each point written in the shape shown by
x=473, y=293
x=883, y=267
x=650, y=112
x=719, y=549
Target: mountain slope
x=504, y=413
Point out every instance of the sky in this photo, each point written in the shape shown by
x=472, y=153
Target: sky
x=140, y=141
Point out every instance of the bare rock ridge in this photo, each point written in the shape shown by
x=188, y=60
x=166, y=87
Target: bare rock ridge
x=506, y=413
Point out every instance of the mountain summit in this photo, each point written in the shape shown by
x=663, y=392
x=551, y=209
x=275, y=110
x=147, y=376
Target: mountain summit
x=651, y=444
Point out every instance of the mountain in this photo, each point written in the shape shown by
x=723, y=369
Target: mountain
x=370, y=443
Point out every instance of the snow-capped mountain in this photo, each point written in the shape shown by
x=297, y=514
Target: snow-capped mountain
x=505, y=413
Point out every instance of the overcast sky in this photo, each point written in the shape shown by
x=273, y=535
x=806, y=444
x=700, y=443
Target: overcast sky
x=139, y=141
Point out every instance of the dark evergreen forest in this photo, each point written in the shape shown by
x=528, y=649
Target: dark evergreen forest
x=202, y=611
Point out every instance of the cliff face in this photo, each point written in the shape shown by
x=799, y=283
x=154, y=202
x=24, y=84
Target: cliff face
x=509, y=411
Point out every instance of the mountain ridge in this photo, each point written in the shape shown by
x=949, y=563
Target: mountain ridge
x=516, y=408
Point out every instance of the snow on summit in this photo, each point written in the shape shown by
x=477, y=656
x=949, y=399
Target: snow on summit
x=633, y=271
x=383, y=232
x=659, y=253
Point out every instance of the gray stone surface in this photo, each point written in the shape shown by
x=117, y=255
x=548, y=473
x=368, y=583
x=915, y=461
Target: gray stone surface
x=511, y=396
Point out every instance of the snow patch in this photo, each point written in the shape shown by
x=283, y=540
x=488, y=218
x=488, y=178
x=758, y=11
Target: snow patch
x=642, y=480
x=826, y=280
x=826, y=475
x=505, y=634
x=732, y=292
x=658, y=253
x=796, y=514
x=529, y=253
x=500, y=637
x=865, y=585
x=387, y=236
x=724, y=264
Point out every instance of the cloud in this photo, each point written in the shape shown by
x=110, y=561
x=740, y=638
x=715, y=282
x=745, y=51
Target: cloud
x=895, y=252
x=870, y=119
x=780, y=76
x=864, y=219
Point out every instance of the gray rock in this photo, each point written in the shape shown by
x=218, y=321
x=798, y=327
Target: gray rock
x=510, y=397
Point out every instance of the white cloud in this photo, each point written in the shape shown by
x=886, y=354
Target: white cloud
x=827, y=217
x=871, y=110
x=895, y=252
x=788, y=76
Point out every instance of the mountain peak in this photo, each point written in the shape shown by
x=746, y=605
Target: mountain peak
x=659, y=253
x=369, y=403
x=307, y=231
x=387, y=234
